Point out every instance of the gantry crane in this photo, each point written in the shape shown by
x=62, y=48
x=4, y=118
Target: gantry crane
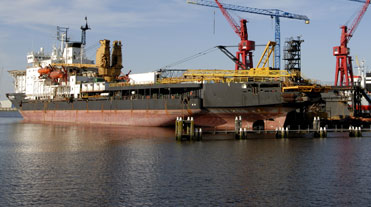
x=342, y=52
x=276, y=13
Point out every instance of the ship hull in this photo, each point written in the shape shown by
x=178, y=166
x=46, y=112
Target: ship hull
x=273, y=117
x=150, y=118
x=214, y=106
x=270, y=118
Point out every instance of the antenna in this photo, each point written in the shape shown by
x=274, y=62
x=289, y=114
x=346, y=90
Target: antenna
x=83, y=31
x=62, y=34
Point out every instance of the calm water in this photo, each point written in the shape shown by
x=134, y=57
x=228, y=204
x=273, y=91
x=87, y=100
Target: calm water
x=69, y=165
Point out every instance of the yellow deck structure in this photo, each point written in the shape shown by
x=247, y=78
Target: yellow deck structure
x=263, y=72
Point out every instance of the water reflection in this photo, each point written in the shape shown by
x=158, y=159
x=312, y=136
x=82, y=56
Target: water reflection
x=67, y=164
x=83, y=165
x=67, y=137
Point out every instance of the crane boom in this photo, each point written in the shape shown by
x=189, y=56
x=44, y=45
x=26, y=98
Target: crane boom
x=243, y=59
x=276, y=13
x=232, y=22
x=356, y=21
x=360, y=1
x=267, y=12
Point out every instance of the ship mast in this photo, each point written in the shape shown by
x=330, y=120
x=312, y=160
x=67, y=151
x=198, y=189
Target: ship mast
x=62, y=36
x=83, y=31
x=83, y=38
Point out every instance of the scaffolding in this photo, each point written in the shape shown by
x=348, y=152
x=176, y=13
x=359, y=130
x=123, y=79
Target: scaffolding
x=292, y=55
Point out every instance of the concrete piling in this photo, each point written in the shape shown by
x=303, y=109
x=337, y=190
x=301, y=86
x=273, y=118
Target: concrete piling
x=351, y=131
x=282, y=132
x=237, y=126
x=359, y=132
x=321, y=132
x=189, y=133
x=192, y=128
x=200, y=133
x=240, y=134
x=197, y=134
x=179, y=128
x=315, y=123
x=176, y=126
x=287, y=132
x=355, y=131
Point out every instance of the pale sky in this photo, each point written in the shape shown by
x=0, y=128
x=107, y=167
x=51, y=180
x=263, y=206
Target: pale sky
x=156, y=33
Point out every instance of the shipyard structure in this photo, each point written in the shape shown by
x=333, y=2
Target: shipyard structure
x=66, y=86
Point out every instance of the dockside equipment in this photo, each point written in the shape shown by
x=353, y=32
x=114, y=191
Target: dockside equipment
x=273, y=13
x=342, y=53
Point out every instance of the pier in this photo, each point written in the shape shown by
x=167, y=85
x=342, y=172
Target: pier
x=185, y=130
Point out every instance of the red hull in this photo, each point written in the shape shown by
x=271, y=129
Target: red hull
x=152, y=118
x=221, y=119
x=273, y=117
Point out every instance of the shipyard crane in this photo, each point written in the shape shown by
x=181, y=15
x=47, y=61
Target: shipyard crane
x=273, y=13
x=243, y=57
x=342, y=52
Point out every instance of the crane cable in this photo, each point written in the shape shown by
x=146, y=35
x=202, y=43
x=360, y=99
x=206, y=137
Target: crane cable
x=197, y=55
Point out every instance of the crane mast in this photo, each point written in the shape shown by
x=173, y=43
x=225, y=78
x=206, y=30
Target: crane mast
x=344, y=67
x=274, y=13
x=245, y=48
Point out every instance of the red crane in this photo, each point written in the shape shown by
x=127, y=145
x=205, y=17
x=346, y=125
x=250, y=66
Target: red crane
x=342, y=52
x=245, y=48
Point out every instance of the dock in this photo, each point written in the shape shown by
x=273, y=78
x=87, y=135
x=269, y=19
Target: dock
x=185, y=130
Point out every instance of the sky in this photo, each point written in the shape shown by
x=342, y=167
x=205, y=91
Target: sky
x=156, y=33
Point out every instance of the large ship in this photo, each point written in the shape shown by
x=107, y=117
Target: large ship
x=65, y=86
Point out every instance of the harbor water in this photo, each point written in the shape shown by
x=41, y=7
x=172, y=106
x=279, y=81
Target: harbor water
x=84, y=165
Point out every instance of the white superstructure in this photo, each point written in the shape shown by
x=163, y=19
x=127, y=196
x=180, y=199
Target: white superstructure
x=36, y=84
x=66, y=72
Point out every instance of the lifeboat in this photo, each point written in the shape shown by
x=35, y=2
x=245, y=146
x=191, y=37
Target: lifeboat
x=44, y=71
x=56, y=74
x=124, y=78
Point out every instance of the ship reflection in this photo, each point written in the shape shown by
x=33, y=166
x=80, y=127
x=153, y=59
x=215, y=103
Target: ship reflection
x=69, y=137
x=71, y=163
